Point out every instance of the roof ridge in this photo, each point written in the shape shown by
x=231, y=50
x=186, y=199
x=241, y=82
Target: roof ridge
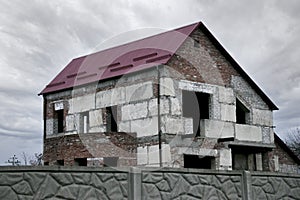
x=144, y=38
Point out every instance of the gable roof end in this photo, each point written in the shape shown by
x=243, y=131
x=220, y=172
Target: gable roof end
x=135, y=56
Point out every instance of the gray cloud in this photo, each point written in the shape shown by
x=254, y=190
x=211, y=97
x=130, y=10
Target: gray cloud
x=38, y=38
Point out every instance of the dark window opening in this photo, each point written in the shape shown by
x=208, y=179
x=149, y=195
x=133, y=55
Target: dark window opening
x=111, y=119
x=197, y=162
x=196, y=43
x=244, y=161
x=195, y=106
x=46, y=163
x=242, y=113
x=60, y=121
x=110, y=161
x=84, y=122
x=80, y=161
x=60, y=162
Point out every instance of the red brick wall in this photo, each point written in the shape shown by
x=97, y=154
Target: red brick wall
x=90, y=145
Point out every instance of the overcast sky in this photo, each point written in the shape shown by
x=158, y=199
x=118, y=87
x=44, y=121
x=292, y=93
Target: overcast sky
x=38, y=38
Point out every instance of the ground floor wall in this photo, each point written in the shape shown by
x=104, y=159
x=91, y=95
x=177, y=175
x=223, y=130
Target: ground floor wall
x=143, y=183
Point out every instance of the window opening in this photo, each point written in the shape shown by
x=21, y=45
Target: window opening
x=198, y=162
x=196, y=43
x=110, y=161
x=111, y=119
x=244, y=161
x=242, y=113
x=60, y=121
x=60, y=162
x=80, y=161
x=195, y=106
x=84, y=122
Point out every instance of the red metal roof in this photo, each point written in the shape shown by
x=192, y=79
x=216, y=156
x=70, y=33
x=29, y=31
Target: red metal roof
x=135, y=56
x=120, y=60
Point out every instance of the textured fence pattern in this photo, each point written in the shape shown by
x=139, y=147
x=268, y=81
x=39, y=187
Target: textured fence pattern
x=190, y=186
x=63, y=185
x=275, y=187
x=143, y=183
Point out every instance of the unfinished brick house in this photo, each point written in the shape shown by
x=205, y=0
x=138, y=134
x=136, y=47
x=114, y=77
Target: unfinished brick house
x=102, y=109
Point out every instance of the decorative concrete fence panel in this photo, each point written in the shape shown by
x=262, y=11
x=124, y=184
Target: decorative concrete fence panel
x=143, y=183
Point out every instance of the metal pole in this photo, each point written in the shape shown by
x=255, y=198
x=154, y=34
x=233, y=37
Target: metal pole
x=158, y=116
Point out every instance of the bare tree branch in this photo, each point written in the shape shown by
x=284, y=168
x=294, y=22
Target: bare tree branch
x=293, y=141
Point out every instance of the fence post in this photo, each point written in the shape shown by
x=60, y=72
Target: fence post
x=247, y=193
x=135, y=184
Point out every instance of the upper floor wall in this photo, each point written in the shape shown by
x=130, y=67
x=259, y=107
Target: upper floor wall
x=197, y=67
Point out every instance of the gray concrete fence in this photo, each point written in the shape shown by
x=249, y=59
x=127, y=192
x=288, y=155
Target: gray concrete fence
x=143, y=183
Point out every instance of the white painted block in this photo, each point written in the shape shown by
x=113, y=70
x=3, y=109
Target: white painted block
x=144, y=127
x=228, y=112
x=259, y=163
x=198, y=151
x=197, y=87
x=124, y=126
x=142, y=155
x=82, y=103
x=262, y=117
x=173, y=125
x=49, y=126
x=164, y=107
x=176, y=106
x=58, y=105
x=166, y=153
x=225, y=158
x=97, y=129
x=226, y=95
x=70, y=123
x=153, y=153
x=167, y=87
x=188, y=125
x=139, y=91
x=246, y=132
x=95, y=118
x=216, y=129
x=134, y=111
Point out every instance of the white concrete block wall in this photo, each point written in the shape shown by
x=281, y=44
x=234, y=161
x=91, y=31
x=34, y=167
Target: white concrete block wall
x=172, y=125
x=140, y=91
x=167, y=87
x=164, y=106
x=198, y=151
x=226, y=95
x=176, y=106
x=248, y=133
x=188, y=125
x=70, y=123
x=82, y=103
x=225, y=159
x=135, y=111
x=97, y=129
x=110, y=97
x=262, y=117
x=228, y=112
x=166, y=154
x=153, y=155
x=142, y=155
x=149, y=155
x=216, y=128
x=95, y=118
x=145, y=127
x=124, y=127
